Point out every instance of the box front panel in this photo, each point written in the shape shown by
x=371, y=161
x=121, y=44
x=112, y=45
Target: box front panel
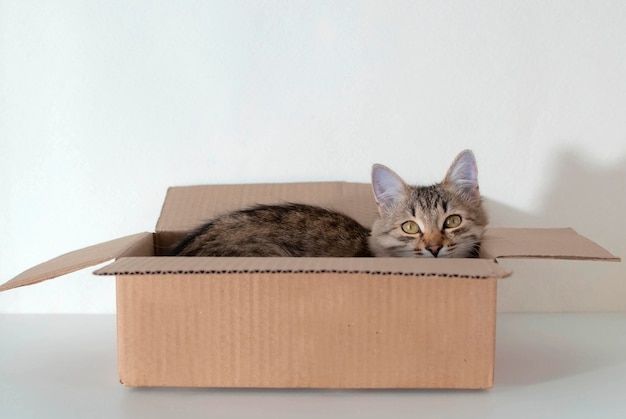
x=306, y=330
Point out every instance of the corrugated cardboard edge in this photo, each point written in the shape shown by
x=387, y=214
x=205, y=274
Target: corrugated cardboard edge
x=141, y=243
x=417, y=267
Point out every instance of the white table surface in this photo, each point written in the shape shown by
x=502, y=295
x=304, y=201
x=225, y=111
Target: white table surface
x=547, y=366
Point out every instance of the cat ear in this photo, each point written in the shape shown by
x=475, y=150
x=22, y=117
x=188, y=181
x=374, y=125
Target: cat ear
x=463, y=175
x=389, y=188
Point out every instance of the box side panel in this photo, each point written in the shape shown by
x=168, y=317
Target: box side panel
x=306, y=331
x=189, y=206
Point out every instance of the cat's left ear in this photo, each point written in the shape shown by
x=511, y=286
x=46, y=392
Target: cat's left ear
x=463, y=175
x=389, y=188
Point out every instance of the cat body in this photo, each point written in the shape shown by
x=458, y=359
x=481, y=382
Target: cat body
x=441, y=220
x=278, y=230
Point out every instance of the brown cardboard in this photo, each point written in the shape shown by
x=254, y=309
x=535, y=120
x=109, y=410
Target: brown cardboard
x=304, y=322
x=83, y=258
x=541, y=243
x=306, y=330
x=187, y=206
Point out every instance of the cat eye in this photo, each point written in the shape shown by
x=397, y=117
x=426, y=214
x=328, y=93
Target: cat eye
x=410, y=227
x=452, y=221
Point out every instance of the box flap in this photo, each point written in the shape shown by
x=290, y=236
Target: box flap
x=186, y=207
x=137, y=244
x=551, y=243
x=451, y=268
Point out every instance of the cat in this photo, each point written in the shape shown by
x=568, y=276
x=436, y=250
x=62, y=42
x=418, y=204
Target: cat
x=442, y=220
x=445, y=220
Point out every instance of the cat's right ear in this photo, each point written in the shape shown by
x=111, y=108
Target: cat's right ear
x=389, y=188
x=463, y=175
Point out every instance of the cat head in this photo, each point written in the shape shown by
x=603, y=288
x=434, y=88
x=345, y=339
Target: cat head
x=442, y=220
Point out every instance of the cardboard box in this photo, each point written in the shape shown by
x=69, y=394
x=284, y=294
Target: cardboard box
x=304, y=322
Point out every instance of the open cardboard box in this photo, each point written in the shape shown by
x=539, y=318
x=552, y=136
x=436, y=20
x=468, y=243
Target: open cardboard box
x=304, y=322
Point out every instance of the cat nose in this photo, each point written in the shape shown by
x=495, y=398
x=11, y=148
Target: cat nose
x=434, y=249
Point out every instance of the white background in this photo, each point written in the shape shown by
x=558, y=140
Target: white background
x=103, y=105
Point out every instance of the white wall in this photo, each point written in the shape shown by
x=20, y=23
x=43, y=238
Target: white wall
x=105, y=104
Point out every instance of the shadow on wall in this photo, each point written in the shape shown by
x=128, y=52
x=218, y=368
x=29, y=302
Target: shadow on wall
x=592, y=200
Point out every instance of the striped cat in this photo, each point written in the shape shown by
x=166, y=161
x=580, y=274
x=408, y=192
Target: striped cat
x=442, y=220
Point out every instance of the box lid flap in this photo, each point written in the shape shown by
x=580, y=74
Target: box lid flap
x=125, y=246
x=186, y=207
x=551, y=243
x=452, y=268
